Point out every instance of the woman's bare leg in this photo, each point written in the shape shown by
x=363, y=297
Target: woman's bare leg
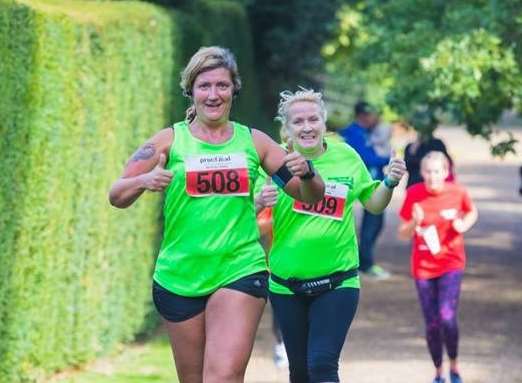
x=187, y=339
x=231, y=320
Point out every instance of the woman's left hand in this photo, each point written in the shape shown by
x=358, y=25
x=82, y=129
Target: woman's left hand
x=296, y=164
x=396, y=170
x=458, y=225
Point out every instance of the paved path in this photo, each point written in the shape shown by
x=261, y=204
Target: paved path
x=386, y=341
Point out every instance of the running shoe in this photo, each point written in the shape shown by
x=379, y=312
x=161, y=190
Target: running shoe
x=280, y=357
x=439, y=379
x=455, y=377
x=377, y=272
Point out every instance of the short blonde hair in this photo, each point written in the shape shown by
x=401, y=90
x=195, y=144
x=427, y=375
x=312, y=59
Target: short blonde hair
x=303, y=94
x=205, y=59
x=435, y=155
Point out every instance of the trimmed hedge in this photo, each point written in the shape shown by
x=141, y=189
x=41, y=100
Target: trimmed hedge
x=83, y=84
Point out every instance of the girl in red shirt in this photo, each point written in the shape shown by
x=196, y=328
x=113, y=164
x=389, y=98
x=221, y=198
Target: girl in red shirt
x=434, y=214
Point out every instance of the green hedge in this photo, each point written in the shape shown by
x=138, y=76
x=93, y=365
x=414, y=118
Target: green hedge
x=83, y=84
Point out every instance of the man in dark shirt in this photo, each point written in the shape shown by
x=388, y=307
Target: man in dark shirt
x=359, y=136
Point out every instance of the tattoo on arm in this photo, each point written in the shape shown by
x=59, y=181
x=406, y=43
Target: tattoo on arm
x=144, y=153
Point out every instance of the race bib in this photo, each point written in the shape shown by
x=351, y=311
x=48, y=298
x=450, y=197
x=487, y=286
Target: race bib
x=431, y=238
x=331, y=206
x=222, y=174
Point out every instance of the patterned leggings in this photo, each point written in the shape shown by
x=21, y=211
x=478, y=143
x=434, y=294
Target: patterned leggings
x=439, y=299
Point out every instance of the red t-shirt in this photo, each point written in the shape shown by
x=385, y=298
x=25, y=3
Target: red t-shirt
x=440, y=209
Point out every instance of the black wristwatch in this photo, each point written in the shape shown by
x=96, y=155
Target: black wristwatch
x=311, y=172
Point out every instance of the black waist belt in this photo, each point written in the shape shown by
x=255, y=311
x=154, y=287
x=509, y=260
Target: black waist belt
x=315, y=286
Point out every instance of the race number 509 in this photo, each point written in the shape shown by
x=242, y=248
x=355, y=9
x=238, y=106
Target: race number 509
x=331, y=206
x=328, y=206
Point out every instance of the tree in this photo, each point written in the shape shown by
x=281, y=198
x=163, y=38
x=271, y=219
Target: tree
x=287, y=41
x=459, y=60
x=288, y=37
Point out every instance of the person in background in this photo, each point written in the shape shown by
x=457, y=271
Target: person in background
x=371, y=142
x=414, y=152
x=435, y=214
x=380, y=139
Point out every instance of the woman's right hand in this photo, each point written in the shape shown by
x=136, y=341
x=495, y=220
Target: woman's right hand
x=158, y=178
x=145, y=170
x=268, y=195
x=273, y=157
x=408, y=228
x=417, y=214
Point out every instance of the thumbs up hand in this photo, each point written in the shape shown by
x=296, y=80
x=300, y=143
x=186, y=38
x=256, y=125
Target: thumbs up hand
x=289, y=145
x=161, y=161
x=295, y=161
x=396, y=169
x=158, y=178
x=268, y=195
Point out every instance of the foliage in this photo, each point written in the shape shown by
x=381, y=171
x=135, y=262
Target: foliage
x=458, y=60
x=74, y=272
x=288, y=36
x=466, y=71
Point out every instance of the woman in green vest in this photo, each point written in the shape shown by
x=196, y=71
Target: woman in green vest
x=314, y=286
x=210, y=280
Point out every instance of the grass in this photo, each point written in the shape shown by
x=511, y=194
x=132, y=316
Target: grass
x=150, y=362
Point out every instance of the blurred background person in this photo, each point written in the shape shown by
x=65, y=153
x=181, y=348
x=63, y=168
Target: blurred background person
x=423, y=142
x=435, y=214
x=372, y=144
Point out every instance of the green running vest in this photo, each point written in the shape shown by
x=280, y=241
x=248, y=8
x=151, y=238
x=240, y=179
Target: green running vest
x=210, y=236
x=311, y=241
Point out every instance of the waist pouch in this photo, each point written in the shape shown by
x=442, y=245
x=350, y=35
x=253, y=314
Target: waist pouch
x=315, y=286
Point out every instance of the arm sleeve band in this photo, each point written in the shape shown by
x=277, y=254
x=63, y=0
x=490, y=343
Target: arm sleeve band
x=282, y=176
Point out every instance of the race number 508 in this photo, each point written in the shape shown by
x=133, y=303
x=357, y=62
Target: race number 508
x=218, y=181
x=217, y=174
